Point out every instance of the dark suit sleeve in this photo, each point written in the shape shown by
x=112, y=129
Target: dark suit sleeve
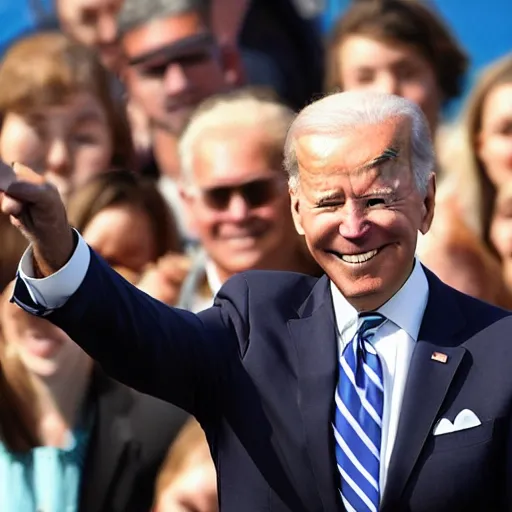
x=166, y=352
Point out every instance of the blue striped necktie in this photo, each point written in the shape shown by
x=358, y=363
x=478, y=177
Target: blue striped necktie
x=358, y=418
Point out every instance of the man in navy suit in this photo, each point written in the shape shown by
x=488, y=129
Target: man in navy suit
x=375, y=387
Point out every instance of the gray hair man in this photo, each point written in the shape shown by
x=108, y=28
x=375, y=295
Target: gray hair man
x=173, y=63
x=366, y=389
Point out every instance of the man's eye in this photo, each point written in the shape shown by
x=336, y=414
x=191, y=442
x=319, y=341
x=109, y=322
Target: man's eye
x=154, y=72
x=375, y=201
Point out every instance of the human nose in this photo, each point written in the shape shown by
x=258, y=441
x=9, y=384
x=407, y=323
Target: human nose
x=58, y=157
x=175, y=79
x=387, y=83
x=353, y=224
x=107, y=29
x=238, y=209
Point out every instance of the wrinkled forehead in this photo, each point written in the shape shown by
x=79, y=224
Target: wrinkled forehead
x=354, y=151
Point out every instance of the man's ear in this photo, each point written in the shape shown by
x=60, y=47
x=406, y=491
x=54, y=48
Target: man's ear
x=232, y=65
x=295, y=207
x=187, y=200
x=428, y=205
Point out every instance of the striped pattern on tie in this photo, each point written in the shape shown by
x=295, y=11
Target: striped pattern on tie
x=358, y=418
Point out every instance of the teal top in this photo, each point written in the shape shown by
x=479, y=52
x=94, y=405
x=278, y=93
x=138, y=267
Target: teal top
x=45, y=479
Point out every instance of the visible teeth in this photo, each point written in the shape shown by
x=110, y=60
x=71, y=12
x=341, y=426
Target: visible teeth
x=359, y=258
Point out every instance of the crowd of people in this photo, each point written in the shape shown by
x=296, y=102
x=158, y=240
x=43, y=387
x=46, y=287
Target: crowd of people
x=162, y=125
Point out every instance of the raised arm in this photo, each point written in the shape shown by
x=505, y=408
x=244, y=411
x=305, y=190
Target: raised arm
x=162, y=351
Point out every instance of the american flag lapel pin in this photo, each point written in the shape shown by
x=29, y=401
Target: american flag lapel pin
x=439, y=357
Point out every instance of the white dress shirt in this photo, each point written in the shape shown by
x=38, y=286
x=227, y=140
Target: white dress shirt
x=394, y=342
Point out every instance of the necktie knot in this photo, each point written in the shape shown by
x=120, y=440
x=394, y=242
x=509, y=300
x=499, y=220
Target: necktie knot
x=370, y=322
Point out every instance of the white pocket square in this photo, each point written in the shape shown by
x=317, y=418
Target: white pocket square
x=464, y=420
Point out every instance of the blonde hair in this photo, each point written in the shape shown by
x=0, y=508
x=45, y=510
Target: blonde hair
x=246, y=108
x=190, y=444
x=465, y=177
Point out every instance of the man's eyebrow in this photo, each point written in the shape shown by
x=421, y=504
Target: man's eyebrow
x=330, y=196
x=176, y=49
x=388, y=154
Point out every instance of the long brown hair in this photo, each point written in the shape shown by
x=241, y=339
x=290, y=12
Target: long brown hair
x=43, y=69
x=18, y=409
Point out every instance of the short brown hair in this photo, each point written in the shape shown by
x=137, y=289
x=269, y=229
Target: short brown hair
x=407, y=22
x=44, y=69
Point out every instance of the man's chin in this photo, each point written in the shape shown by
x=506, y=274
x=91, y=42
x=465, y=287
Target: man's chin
x=173, y=123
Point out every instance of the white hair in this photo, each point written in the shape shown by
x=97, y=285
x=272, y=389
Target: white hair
x=243, y=109
x=336, y=113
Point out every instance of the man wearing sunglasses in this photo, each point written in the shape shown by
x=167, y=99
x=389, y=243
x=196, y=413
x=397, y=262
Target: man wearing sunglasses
x=236, y=194
x=173, y=62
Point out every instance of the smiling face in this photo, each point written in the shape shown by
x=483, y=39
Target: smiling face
x=45, y=350
x=360, y=211
x=239, y=204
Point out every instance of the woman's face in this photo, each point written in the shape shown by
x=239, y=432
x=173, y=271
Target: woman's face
x=494, y=143
x=123, y=235
x=45, y=350
x=501, y=224
x=69, y=143
x=501, y=231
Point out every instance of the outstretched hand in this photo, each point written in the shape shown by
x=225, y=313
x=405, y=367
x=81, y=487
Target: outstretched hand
x=36, y=209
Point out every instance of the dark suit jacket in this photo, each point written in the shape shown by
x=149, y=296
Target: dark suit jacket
x=130, y=438
x=259, y=370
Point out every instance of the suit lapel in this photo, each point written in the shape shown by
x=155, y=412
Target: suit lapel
x=314, y=336
x=427, y=384
x=111, y=437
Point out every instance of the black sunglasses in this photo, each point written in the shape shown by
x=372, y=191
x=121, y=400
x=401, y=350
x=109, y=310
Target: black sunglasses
x=255, y=193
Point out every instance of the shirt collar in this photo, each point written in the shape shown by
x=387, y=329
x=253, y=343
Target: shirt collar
x=212, y=276
x=405, y=309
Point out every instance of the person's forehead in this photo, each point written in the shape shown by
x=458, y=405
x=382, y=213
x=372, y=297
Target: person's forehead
x=163, y=32
x=227, y=157
x=351, y=148
x=80, y=5
x=363, y=49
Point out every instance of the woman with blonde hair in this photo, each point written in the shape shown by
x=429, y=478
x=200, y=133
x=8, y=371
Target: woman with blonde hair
x=478, y=155
x=477, y=159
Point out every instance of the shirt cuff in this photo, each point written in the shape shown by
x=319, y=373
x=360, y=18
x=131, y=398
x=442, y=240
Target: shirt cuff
x=53, y=291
